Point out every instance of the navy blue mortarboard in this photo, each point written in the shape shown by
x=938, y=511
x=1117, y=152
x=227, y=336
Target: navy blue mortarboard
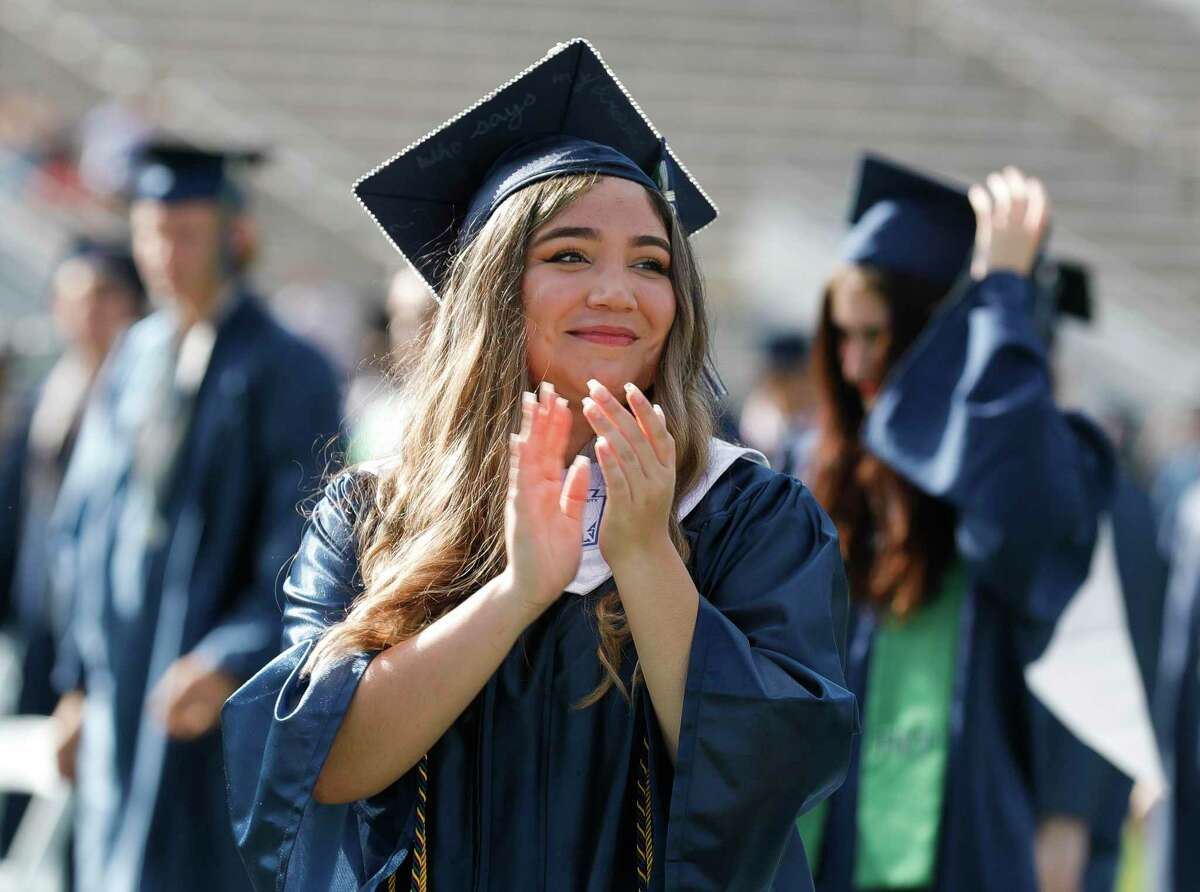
x=565, y=114
x=169, y=170
x=909, y=222
x=784, y=351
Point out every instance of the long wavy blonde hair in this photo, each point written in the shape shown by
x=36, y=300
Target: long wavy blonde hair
x=431, y=523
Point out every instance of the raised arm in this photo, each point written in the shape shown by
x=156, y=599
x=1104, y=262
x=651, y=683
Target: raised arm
x=968, y=414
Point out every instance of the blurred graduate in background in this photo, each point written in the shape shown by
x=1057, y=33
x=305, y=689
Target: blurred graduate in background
x=779, y=414
x=967, y=505
x=95, y=294
x=177, y=514
x=1082, y=798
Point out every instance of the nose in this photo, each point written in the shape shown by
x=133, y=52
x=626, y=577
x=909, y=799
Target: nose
x=854, y=359
x=611, y=291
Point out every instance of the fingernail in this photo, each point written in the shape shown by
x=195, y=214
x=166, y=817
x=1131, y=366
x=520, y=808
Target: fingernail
x=658, y=409
x=629, y=387
x=601, y=443
x=527, y=397
x=560, y=402
x=593, y=384
x=547, y=388
x=588, y=402
x=582, y=460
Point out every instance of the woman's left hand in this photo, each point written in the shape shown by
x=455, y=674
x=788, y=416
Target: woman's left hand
x=636, y=454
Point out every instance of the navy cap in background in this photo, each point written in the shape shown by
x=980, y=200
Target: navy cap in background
x=784, y=351
x=1069, y=284
x=168, y=170
x=909, y=222
x=567, y=113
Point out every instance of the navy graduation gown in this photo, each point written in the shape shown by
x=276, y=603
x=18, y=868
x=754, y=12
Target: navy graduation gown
x=1072, y=779
x=151, y=810
x=1177, y=706
x=529, y=792
x=967, y=415
x=24, y=590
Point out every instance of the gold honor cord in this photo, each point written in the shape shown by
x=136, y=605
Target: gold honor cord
x=645, y=828
x=420, y=849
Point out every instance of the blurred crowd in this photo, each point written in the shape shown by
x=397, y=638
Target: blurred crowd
x=252, y=433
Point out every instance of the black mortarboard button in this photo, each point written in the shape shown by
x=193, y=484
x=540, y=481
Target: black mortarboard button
x=1072, y=289
x=172, y=171
x=567, y=113
x=909, y=222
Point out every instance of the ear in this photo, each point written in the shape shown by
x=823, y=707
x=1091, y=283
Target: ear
x=243, y=240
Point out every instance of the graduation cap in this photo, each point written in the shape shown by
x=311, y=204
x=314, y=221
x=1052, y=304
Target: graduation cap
x=566, y=113
x=169, y=170
x=784, y=351
x=909, y=222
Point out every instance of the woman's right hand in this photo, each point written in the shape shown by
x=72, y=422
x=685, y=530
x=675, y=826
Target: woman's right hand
x=1011, y=216
x=544, y=516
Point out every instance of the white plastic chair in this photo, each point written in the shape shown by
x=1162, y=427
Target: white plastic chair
x=36, y=859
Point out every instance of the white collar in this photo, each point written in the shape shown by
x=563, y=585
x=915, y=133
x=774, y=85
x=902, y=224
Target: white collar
x=593, y=569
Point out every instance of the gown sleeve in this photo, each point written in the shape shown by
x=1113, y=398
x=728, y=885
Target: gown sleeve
x=278, y=727
x=968, y=415
x=767, y=720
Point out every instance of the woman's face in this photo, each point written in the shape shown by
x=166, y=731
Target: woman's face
x=597, y=292
x=862, y=325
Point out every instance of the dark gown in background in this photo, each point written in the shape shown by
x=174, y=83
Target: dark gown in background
x=529, y=792
x=194, y=574
x=1177, y=707
x=31, y=472
x=1071, y=779
x=968, y=416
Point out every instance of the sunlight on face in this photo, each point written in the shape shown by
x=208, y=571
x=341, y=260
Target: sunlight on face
x=862, y=322
x=176, y=245
x=597, y=291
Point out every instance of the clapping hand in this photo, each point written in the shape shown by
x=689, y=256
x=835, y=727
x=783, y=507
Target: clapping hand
x=636, y=454
x=544, y=514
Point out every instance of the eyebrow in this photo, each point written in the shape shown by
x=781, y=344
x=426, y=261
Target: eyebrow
x=586, y=232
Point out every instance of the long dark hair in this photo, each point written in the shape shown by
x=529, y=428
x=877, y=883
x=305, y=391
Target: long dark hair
x=896, y=540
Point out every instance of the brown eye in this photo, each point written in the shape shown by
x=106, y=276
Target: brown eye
x=652, y=265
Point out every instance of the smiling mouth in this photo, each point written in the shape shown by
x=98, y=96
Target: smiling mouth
x=606, y=336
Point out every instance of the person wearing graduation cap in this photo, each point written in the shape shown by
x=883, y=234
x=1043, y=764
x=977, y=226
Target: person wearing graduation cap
x=562, y=638
x=176, y=516
x=95, y=294
x=1083, y=800
x=778, y=414
x=967, y=504
x=1175, y=858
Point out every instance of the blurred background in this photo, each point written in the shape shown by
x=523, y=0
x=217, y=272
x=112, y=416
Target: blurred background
x=767, y=102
